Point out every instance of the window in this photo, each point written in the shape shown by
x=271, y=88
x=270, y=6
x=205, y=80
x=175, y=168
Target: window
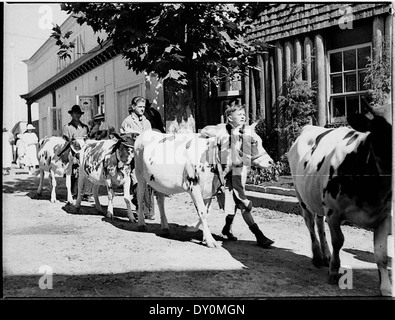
x=230, y=86
x=347, y=70
x=99, y=104
x=56, y=121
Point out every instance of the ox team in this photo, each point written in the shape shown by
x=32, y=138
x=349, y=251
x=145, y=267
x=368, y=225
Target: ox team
x=342, y=174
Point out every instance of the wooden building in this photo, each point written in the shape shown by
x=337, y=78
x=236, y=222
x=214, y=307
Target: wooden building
x=334, y=38
x=95, y=77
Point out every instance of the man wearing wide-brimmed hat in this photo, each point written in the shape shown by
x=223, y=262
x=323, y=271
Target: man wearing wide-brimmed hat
x=75, y=128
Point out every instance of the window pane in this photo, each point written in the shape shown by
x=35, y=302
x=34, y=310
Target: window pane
x=351, y=81
x=336, y=84
x=336, y=62
x=350, y=60
x=363, y=54
x=338, y=107
x=352, y=105
x=361, y=78
x=54, y=120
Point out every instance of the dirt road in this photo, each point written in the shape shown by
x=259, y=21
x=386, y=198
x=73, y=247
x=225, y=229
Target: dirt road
x=92, y=256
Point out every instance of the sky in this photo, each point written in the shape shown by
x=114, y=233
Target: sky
x=26, y=28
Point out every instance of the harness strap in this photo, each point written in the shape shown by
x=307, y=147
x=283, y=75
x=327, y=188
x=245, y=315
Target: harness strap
x=219, y=165
x=64, y=149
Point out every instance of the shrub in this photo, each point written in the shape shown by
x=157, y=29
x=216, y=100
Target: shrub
x=298, y=108
x=297, y=105
x=378, y=77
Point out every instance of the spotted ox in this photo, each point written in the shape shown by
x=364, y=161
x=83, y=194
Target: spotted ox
x=192, y=163
x=56, y=155
x=344, y=174
x=108, y=163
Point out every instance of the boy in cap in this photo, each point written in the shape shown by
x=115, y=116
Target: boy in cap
x=233, y=196
x=100, y=129
x=137, y=122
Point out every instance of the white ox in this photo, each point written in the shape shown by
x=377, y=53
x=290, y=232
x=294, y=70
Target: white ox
x=56, y=155
x=192, y=163
x=345, y=175
x=108, y=163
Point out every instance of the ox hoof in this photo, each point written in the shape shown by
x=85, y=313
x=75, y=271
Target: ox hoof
x=325, y=261
x=142, y=228
x=109, y=215
x=212, y=244
x=38, y=193
x=77, y=210
x=164, y=232
x=317, y=262
x=53, y=200
x=333, y=278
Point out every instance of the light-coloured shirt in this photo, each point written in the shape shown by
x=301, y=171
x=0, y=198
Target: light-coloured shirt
x=73, y=130
x=132, y=123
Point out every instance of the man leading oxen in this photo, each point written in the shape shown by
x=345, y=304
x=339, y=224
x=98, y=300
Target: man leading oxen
x=344, y=174
x=108, y=163
x=194, y=164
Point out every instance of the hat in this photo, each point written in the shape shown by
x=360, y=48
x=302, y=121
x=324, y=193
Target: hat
x=76, y=108
x=99, y=116
x=30, y=127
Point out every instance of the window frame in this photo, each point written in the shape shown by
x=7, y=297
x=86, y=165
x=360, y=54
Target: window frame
x=229, y=93
x=344, y=94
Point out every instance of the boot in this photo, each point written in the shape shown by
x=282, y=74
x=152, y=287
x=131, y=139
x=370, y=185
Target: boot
x=226, y=230
x=134, y=201
x=260, y=238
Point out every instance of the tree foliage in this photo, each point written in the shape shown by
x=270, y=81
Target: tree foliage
x=175, y=40
x=378, y=77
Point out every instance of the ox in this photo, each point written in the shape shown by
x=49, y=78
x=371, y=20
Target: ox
x=109, y=163
x=192, y=163
x=56, y=155
x=344, y=174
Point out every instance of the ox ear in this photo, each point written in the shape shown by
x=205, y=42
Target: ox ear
x=66, y=138
x=253, y=126
x=360, y=122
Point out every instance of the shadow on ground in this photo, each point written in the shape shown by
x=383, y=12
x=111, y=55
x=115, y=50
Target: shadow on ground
x=275, y=272
x=365, y=256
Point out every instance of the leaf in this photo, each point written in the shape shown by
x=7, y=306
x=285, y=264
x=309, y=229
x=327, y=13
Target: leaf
x=68, y=34
x=175, y=74
x=177, y=57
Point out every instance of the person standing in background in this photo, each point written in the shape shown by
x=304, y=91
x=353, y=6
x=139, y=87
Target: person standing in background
x=154, y=117
x=30, y=140
x=8, y=140
x=20, y=152
x=100, y=129
x=73, y=130
x=137, y=122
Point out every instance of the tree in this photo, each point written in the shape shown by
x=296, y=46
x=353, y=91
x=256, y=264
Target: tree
x=179, y=41
x=378, y=76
